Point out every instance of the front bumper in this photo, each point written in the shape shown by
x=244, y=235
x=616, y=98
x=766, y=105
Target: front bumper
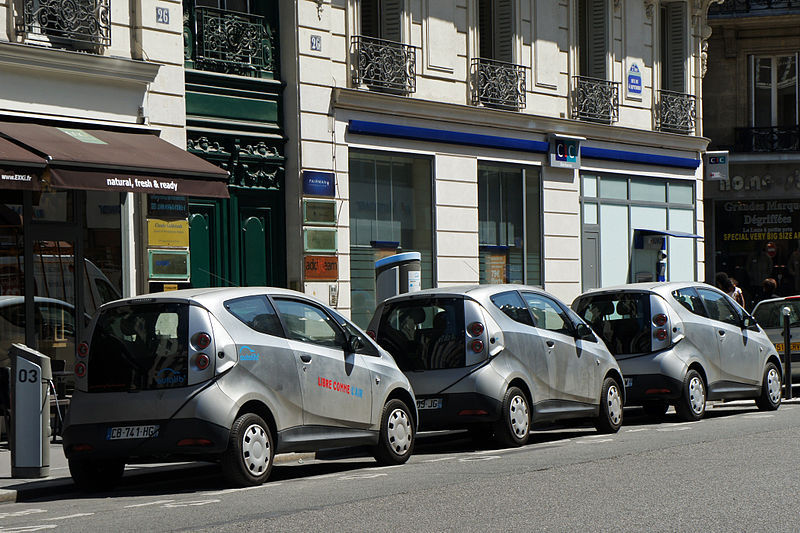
x=200, y=438
x=651, y=387
x=458, y=410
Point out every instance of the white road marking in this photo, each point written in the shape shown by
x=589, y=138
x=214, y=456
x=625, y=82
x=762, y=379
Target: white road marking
x=478, y=458
x=636, y=430
x=77, y=515
x=674, y=428
x=759, y=415
x=41, y=527
x=190, y=503
x=594, y=441
x=439, y=459
x=594, y=436
x=24, y=512
x=157, y=502
x=231, y=491
x=366, y=475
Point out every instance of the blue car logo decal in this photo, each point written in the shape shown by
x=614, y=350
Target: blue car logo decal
x=246, y=353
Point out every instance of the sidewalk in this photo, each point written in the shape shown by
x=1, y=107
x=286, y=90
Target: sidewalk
x=59, y=481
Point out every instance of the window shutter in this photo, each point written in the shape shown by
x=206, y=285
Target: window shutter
x=597, y=38
x=485, y=29
x=675, y=75
x=504, y=31
x=391, y=20
x=369, y=18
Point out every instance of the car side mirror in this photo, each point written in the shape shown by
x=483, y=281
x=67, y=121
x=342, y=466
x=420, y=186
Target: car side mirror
x=354, y=344
x=585, y=333
x=749, y=323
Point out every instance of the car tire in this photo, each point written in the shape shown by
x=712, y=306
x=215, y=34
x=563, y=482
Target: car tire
x=514, y=425
x=609, y=418
x=692, y=404
x=771, y=389
x=248, y=459
x=96, y=475
x=655, y=409
x=395, y=435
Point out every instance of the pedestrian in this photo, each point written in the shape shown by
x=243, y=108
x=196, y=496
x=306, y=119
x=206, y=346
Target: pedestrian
x=724, y=283
x=768, y=288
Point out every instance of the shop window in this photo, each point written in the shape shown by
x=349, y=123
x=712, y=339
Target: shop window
x=648, y=190
x=509, y=224
x=390, y=211
x=674, y=51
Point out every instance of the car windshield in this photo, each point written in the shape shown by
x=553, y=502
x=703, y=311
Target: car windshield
x=140, y=347
x=424, y=334
x=621, y=319
x=770, y=315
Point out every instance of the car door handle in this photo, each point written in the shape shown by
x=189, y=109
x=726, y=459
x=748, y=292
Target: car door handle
x=550, y=344
x=305, y=358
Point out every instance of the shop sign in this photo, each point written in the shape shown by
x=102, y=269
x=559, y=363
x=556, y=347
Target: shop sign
x=321, y=268
x=317, y=183
x=496, y=268
x=773, y=220
x=321, y=240
x=318, y=211
x=634, y=81
x=168, y=264
x=171, y=233
x=565, y=151
x=715, y=165
x=167, y=207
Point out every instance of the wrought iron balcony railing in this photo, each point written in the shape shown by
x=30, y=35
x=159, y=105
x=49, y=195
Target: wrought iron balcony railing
x=595, y=100
x=731, y=7
x=498, y=84
x=384, y=65
x=676, y=112
x=770, y=139
x=73, y=23
x=230, y=42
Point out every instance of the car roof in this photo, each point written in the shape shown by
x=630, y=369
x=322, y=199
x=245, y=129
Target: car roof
x=660, y=287
x=475, y=291
x=774, y=300
x=12, y=299
x=212, y=294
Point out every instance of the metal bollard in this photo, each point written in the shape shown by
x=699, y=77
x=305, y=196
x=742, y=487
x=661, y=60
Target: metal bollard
x=787, y=354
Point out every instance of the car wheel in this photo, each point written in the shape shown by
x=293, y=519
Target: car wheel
x=655, y=409
x=96, y=475
x=515, y=419
x=609, y=418
x=396, y=434
x=770, y=398
x=248, y=459
x=692, y=405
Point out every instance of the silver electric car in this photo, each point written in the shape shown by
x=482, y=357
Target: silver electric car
x=681, y=344
x=229, y=374
x=499, y=358
x=769, y=314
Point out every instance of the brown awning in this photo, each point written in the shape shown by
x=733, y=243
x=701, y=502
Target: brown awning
x=106, y=160
x=19, y=168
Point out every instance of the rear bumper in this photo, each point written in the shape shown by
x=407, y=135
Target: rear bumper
x=651, y=387
x=90, y=441
x=458, y=410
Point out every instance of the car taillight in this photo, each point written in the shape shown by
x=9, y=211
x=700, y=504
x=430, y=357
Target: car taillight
x=372, y=335
x=202, y=340
x=476, y=345
x=80, y=370
x=202, y=361
x=83, y=349
x=475, y=329
x=660, y=319
x=661, y=334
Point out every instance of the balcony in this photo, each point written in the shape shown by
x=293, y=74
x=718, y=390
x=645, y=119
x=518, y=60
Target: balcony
x=228, y=42
x=738, y=7
x=675, y=112
x=595, y=100
x=383, y=65
x=498, y=84
x=769, y=139
x=79, y=24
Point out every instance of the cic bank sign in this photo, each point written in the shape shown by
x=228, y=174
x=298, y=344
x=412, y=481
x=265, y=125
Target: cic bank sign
x=565, y=151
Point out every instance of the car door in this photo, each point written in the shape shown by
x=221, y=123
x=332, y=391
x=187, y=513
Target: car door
x=336, y=385
x=700, y=331
x=569, y=368
x=726, y=326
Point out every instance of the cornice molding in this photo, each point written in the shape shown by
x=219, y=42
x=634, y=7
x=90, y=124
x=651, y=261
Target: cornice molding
x=504, y=121
x=79, y=63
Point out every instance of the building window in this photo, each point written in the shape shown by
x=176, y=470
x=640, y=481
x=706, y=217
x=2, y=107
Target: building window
x=618, y=205
x=509, y=224
x=594, y=97
x=391, y=211
x=382, y=19
x=675, y=111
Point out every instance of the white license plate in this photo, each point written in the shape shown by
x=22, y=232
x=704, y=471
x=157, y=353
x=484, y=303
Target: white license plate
x=429, y=403
x=628, y=382
x=132, y=432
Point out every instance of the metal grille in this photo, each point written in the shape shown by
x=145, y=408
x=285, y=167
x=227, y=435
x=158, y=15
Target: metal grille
x=595, y=100
x=386, y=65
x=747, y=6
x=231, y=42
x=74, y=22
x=769, y=139
x=676, y=112
x=498, y=84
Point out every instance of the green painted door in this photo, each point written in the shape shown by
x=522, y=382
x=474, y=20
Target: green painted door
x=255, y=233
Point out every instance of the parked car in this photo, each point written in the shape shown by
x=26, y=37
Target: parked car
x=769, y=315
x=499, y=358
x=681, y=344
x=233, y=375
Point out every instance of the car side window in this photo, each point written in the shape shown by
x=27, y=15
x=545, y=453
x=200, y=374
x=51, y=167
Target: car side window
x=308, y=323
x=719, y=308
x=547, y=314
x=689, y=299
x=256, y=313
x=512, y=305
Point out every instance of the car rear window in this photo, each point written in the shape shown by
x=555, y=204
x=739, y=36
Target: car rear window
x=621, y=319
x=424, y=334
x=770, y=314
x=140, y=347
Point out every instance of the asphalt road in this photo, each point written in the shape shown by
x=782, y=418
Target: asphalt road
x=737, y=470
